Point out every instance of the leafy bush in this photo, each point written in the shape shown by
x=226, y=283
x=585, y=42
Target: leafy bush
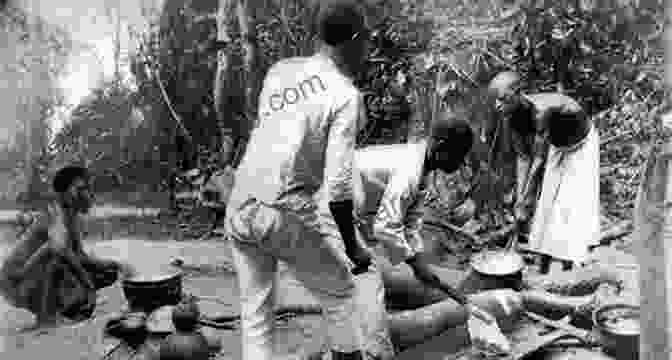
x=430, y=56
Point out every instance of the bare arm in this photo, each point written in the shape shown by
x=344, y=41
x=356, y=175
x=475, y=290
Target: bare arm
x=59, y=244
x=534, y=177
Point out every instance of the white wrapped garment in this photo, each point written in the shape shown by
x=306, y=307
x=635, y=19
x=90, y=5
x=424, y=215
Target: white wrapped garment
x=567, y=219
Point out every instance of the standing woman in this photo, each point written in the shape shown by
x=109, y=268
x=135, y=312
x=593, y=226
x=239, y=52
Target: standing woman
x=559, y=147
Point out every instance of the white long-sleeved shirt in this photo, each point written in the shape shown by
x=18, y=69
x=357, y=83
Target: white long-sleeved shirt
x=309, y=116
x=387, y=198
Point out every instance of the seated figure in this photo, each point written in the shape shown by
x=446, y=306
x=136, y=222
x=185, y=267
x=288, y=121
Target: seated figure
x=48, y=272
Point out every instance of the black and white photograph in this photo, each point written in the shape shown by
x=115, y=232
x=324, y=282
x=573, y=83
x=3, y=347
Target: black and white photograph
x=336, y=179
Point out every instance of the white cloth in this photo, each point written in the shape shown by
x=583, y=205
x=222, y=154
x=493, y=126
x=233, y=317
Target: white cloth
x=387, y=202
x=567, y=219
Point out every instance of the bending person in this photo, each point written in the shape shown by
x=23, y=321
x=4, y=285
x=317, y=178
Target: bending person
x=558, y=172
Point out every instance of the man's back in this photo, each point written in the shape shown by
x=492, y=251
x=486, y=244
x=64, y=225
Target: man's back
x=286, y=152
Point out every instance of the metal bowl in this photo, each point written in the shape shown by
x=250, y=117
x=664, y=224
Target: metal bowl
x=147, y=293
x=498, y=262
x=618, y=327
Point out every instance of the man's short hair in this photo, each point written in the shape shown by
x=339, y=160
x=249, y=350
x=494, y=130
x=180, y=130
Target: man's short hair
x=66, y=176
x=521, y=119
x=456, y=130
x=567, y=128
x=339, y=21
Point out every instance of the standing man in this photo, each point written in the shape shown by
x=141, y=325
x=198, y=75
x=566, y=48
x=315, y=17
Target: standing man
x=558, y=171
x=310, y=112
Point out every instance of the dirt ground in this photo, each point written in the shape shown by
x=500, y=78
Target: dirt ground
x=133, y=235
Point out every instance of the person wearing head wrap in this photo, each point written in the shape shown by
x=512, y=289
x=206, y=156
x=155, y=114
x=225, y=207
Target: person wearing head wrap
x=48, y=272
x=310, y=112
x=558, y=172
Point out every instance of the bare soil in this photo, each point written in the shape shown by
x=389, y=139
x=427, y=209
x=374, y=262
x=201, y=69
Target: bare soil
x=135, y=235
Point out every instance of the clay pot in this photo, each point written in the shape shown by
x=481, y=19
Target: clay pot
x=184, y=346
x=131, y=328
x=214, y=340
x=185, y=316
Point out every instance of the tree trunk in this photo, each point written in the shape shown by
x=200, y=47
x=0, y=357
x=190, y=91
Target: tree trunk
x=246, y=11
x=225, y=119
x=32, y=116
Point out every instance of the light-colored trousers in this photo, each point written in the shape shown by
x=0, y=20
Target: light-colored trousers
x=291, y=231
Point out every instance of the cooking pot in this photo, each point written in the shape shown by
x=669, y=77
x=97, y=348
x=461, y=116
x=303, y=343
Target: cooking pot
x=618, y=327
x=131, y=328
x=496, y=269
x=148, y=292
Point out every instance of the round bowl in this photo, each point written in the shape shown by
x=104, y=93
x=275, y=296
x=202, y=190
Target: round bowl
x=618, y=327
x=497, y=262
x=147, y=293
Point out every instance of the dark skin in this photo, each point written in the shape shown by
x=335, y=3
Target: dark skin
x=443, y=155
x=73, y=202
x=549, y=111
x=509, y=104
x=76, y=200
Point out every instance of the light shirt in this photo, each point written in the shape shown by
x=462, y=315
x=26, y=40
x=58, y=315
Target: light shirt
x=387, y=199
x=309, y=117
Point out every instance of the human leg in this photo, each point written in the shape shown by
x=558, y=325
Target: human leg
x=307, y=243
x=250, y=229
x=255, y=270
x=44, y=298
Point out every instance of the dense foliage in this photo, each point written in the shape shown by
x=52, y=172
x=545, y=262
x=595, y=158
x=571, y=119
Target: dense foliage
x=35, y=54
x=607, y=58
x=425, y=57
